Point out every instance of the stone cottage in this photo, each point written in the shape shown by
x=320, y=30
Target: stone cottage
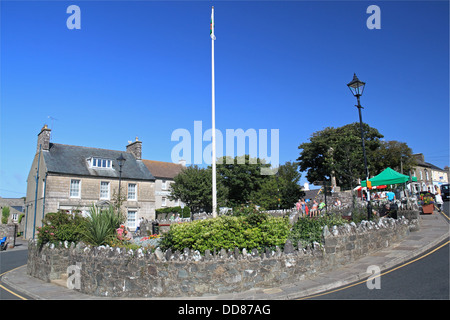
x=65, y=177
x=164, y=173
x=428, y=175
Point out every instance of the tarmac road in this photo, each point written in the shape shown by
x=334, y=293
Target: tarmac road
x=424, y=277
x=9, y=260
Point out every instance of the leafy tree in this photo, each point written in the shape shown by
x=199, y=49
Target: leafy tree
x=394, y=154
x=239, y=182
x=288, y=179
x=268, y=195
x=193, y=186
x=280, y=191
x=5, y=215
x=241, y=177
x=338, y=151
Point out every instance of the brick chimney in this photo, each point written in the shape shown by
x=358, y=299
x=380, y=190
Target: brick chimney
x=135, y=148
x=44, y=139
x=419, y=157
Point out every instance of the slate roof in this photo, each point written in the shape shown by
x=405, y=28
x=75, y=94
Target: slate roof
x=311, y=194
x=421, y=162
x=72, y=160
x=161, y=169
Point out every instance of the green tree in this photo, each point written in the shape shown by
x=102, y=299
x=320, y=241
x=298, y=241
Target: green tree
x=268, y=195
x=288, y=180
x=242, y=178
x=5, y=215
x=394, y=154
x=338, y=151
x=280, y=191
x=193, y=186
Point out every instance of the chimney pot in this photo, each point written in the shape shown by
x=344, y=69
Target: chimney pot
x=135, y=148
x=44, y=139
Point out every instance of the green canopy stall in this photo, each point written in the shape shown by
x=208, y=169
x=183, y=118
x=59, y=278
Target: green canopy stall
x=388, y=176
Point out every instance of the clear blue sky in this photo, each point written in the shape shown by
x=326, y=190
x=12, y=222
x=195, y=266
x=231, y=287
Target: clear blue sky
x=143, y=68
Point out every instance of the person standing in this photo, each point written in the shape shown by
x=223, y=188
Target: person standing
x=391, y=196
x=303, y=203
x=314, y=209
x=438, y=198
x=138, y=226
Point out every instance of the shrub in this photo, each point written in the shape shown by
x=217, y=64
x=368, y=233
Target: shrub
x=275, y=232
x=227, y=232
x=61, y=226
x=307, y=230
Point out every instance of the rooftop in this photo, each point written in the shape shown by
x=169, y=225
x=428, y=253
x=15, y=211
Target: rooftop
x=73, y=160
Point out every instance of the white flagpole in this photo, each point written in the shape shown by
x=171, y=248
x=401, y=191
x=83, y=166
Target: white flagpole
x=214, y=191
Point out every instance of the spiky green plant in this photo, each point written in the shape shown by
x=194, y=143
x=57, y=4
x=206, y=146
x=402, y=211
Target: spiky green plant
x=101, y=225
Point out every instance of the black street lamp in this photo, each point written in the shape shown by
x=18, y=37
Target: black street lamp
x=120, y=160
x=357, y=88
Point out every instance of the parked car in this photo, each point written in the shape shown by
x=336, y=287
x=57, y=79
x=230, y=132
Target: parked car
x=445, y=192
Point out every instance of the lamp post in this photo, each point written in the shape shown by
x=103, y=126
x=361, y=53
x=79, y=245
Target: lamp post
x=120, y=160
x=357, y=88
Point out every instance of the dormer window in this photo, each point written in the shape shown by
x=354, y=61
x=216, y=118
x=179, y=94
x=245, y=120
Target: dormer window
x=100, y=163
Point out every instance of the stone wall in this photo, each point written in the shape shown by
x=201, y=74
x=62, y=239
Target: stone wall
x=10, y=231
x=115, y=272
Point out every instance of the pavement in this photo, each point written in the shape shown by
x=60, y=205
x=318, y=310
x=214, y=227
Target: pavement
x=434, y=229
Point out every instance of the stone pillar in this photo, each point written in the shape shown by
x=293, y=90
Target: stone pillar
x=11, y=234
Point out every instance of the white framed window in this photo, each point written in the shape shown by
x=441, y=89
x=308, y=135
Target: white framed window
x=75, y=187
x=100, y=163
x=131, y=218
x=104, y=190
x=163, y=202
x=164, y=184
x=132, y=195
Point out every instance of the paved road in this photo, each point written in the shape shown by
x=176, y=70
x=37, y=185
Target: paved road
x=424, y=277
x=446, y=208
x=9, y=260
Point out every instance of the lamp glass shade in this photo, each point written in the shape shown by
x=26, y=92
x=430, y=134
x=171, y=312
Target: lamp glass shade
x=356, y=86
x=121, y=159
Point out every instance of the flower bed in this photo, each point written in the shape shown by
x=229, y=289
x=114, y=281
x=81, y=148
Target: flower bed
x=149, y=242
